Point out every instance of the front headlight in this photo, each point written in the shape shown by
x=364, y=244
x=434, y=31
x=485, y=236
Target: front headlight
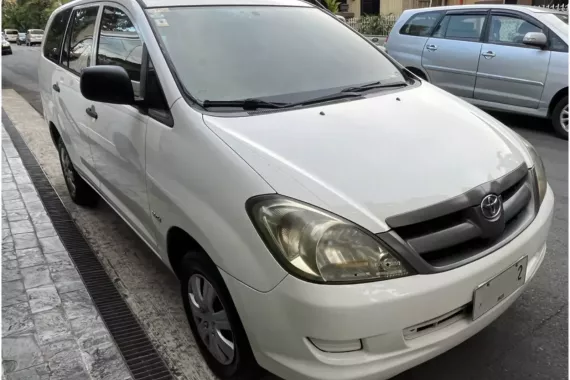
x=5, y=43
x=539, y=170
x=321, y=247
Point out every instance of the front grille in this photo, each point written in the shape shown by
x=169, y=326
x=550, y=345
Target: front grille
x=464, y=232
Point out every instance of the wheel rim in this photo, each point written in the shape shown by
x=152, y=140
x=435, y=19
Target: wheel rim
x=211, y=319
x=68, y=172
x=564, y=118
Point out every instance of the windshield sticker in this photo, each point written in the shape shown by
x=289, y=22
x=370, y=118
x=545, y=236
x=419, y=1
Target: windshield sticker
x=161, y=22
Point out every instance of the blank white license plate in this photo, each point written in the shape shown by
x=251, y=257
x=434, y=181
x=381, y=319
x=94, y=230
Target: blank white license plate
x=492, y=292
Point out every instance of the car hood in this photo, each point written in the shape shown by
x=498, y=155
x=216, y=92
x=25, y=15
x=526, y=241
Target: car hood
x=373, y=158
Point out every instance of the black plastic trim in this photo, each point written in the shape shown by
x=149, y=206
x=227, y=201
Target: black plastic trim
x=528, y=213
x=470, y=198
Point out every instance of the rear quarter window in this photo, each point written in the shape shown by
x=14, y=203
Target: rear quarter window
x=55, y=33
x=421, y=24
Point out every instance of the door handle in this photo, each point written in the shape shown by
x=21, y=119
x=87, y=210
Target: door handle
x=91, y=112
x=488, y=54
x=431, y=47
x=56, y=87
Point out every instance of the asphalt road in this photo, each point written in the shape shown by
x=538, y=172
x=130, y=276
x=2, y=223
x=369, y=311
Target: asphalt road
x=529, y=341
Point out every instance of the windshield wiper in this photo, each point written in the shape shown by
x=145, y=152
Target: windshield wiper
x=253, y=104
x=373, y=85
x=246, y=104
x=326, y=98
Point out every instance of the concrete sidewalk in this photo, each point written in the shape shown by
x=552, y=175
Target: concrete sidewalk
x=50, y=327
x=150, y=290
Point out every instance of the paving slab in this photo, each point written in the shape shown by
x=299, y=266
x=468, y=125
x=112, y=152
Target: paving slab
x=50, y=328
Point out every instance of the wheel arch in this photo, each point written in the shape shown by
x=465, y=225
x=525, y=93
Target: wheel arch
x=54, y=133
x=178, y=243
x=555, y=99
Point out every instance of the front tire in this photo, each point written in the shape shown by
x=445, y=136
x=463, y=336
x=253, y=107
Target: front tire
x=214, y=320
x=79, y=190
x=559, y=118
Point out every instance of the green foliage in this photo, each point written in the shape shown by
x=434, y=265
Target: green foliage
x=379, y=25
x=27, y=14
x=332, y=5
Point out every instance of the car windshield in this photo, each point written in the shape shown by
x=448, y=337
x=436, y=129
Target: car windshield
x=36, y=31
x=286, y=54
x=11, y=32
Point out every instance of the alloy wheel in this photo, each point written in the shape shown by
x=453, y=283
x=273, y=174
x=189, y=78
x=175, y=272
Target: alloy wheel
x=211, y=319
x=564, y=118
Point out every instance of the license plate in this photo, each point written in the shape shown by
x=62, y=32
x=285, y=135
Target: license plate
x=492, y=292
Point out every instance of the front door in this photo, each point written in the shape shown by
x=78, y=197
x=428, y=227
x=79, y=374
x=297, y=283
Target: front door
x=509, y=71
x=70, y=104
x=119, y=131
x=451, y=54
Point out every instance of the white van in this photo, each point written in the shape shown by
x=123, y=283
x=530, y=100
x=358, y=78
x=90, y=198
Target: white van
x=11, y=35
x=329, y=215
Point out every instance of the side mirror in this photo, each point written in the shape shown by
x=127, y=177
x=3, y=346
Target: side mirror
x=535, y=39
x=107, y=84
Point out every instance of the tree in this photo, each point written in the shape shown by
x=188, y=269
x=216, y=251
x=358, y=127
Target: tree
x=332, y=5
x=27, y=14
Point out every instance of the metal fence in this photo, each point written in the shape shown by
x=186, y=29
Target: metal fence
x=379, y=25
x=558, y=7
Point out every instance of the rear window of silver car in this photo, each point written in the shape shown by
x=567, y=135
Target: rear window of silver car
x=421, y=24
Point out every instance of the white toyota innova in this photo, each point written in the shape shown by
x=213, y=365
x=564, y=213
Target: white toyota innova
x=329, y=214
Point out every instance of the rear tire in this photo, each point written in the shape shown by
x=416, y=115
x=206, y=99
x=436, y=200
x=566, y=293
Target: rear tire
x=79, y=190
x=222, y=341
x=559, y=118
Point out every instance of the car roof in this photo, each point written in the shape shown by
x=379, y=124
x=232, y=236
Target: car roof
x=178, y=3
x=174, y=3
x=520, y=8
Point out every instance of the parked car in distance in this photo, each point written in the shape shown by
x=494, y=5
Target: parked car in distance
x=329, y=216
x=499, y=57
x=11, y=35
x=21, y=38
x=34, y=37
x=6, y=48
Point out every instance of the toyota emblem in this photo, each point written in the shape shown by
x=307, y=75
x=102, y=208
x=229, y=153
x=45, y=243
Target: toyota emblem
x=491, y=206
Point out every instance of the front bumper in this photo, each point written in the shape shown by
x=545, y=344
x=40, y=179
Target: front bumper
x=6, y=50
x=279, y=322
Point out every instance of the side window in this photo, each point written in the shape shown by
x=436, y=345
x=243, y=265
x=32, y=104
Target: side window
x=509, y=30
x=439, y=31
x=153, y=92
x=119, y=43
x=556, y=43
x=465, y=27
x=420, y=24
x=77, y=52
x=54, y=37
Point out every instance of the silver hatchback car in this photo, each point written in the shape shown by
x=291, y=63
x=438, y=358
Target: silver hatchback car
x=499, y=57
